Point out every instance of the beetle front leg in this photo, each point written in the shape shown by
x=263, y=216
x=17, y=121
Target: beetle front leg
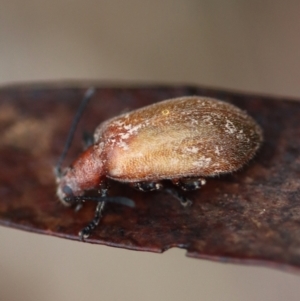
x=87, y=230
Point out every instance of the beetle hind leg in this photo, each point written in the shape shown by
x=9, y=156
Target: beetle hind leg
x=184, y=201
x=154, y=186
x=189, y=184
x=186, y=184
x=147, y=186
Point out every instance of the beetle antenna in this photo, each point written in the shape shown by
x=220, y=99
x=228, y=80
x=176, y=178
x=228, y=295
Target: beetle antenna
x=88, y=94
x=117, y=199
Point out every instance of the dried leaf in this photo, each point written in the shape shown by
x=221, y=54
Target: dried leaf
x=251, y=216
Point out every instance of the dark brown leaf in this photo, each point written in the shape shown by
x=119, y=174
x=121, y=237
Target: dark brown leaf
x=250, y=216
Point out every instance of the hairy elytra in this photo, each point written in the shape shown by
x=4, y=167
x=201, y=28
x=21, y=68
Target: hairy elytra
x=184, y=140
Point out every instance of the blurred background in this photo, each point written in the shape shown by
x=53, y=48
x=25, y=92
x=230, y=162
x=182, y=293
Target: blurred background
x=251, y=46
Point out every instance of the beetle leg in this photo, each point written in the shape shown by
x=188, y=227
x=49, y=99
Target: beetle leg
x=184, y=201
x=186, y=184
x=152, y=186
x=87, y=230
x=189, y=184
x=147, y=186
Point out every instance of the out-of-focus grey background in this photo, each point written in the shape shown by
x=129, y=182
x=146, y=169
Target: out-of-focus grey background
x=242, y=45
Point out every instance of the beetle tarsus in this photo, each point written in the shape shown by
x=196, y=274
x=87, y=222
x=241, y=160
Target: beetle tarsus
x=86, y=231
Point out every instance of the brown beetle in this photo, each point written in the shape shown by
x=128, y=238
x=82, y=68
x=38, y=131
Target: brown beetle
x=183, y=139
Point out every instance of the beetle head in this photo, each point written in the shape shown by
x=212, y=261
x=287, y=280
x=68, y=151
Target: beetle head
x=66, y=186
x=86, y=173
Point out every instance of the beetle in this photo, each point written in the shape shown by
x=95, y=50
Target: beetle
x=184, y=140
